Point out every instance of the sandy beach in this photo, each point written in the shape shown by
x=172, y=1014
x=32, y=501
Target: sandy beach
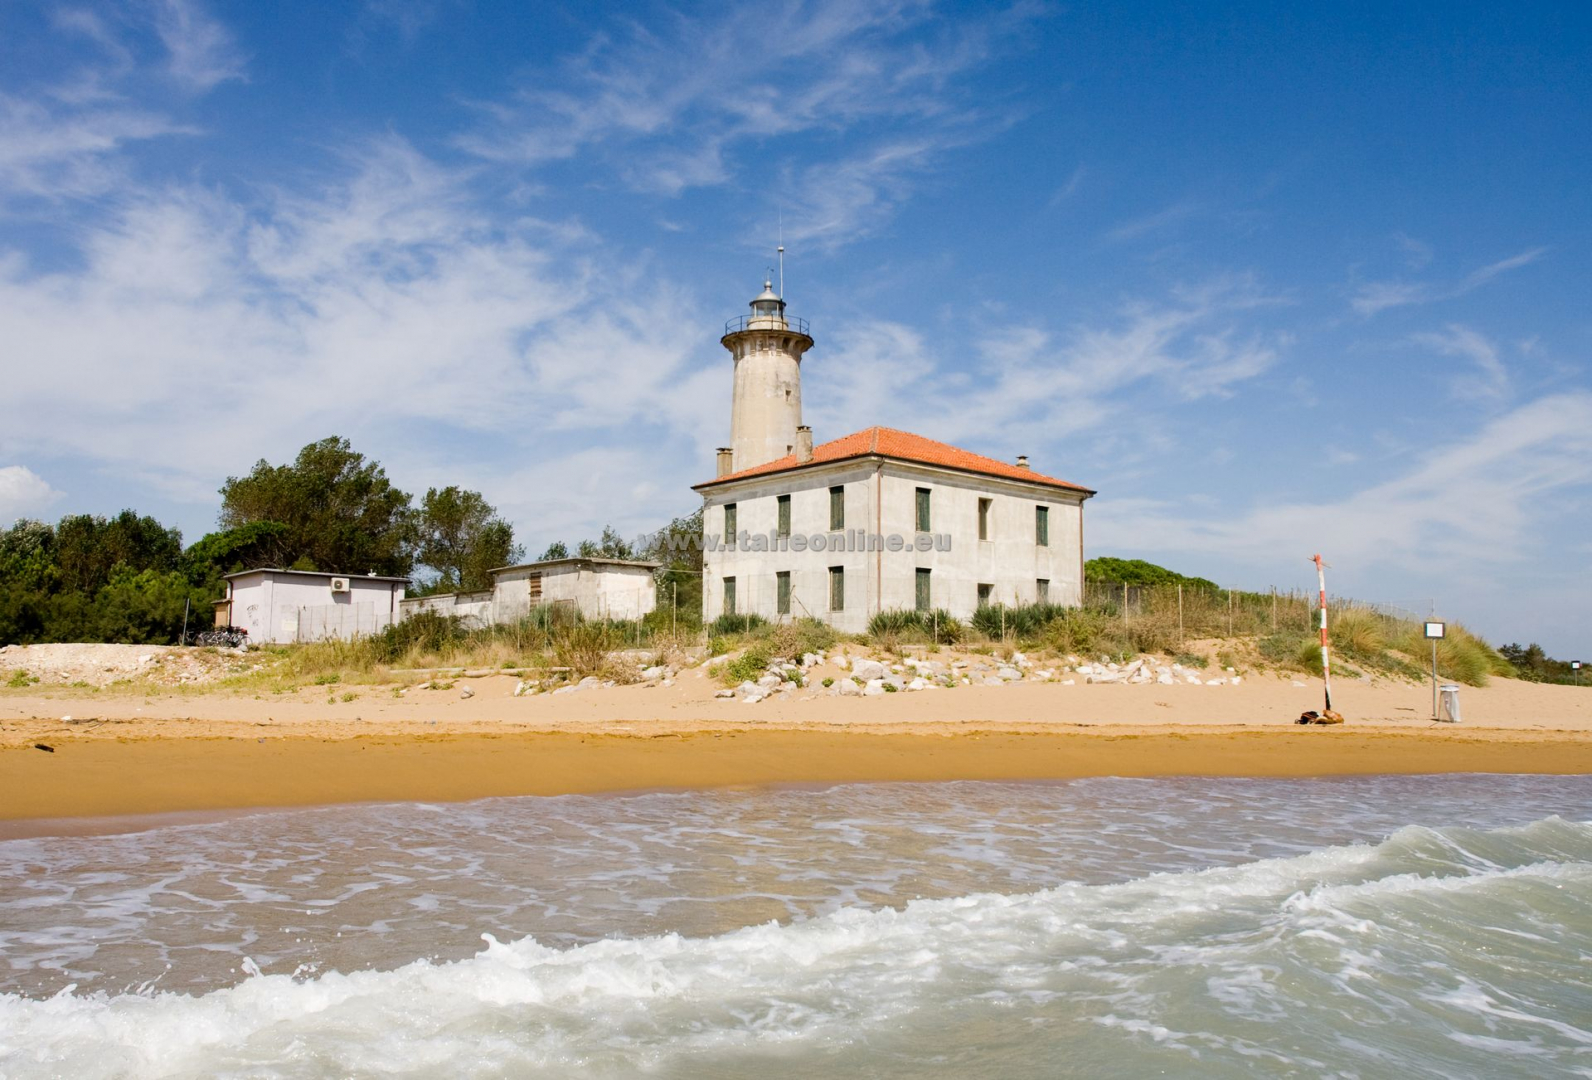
x=114, y=752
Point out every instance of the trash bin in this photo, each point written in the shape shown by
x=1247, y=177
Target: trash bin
x=1448, y=703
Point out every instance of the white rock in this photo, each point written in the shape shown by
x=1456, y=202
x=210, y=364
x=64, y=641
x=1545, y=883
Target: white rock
x=1193, y=680
x=1215, y=682
x=1008, y=674
x=724, y=694
x=768, y=682
x=848, y=688
x=1236, y=679
x=920, y=683
x=1069, y=682
x=841, y=662
x=656, y=672
x=811, y=659
x=1296, y=682
x=754, y=695
x=1165, y=678
x=869, y=670
x=990, y=680
x=874, y=687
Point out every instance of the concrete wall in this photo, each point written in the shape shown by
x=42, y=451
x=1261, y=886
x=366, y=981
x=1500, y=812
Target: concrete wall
x=882, y=499
x=596, y=592
x=766, y=406
x=281, y=606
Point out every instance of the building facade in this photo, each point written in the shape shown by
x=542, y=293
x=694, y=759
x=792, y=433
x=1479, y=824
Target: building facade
x=595, y=588
x=878, y=520
x=285, y=606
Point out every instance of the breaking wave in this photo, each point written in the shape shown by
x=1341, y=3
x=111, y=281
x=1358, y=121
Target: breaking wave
x=1428, y=953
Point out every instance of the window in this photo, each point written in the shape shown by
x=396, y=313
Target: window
x=984, y=506
x=784, y=515
x=1042, y=590
x=837, y=508
x=985, y=592
x=924, y=597
x=729, y=596
x=837, y=588
x=729, y=523
x=533, y=587
x=1042, y=526
x=923, y=509
x=782, y=591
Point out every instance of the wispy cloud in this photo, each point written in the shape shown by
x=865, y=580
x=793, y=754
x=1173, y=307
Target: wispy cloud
x=655, y=105
x=1489, y=378
x=1036, y=385
x=1375, y=296
x=1475, y=502
x=23, y=493
x=201, y=51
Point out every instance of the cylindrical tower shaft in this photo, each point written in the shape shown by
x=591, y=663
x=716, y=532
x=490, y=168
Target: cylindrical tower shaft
x=766, y=408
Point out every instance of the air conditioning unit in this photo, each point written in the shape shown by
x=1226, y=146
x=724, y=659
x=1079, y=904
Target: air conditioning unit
x=339, y=584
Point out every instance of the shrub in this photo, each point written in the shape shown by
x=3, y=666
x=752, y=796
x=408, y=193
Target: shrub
x=585, y=648
x=828, y=683
x=748, y=667
x=1357, y=632
x=1192, y=660
x=802, y=636
x=737, y=624
x=20, y=679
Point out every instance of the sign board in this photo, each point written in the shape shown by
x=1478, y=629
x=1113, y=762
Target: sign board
x=1575, y=665
x=1434, y=629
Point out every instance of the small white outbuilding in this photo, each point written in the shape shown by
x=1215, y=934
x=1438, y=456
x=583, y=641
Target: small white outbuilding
x=596, y=588
x=284, y=606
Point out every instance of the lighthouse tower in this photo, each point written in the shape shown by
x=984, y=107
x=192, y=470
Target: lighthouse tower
x=766, y=410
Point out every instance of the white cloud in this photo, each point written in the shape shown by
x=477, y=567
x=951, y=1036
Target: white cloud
x=57, y=153
x=201, y=52
x=658, y=106
x=1375, y=296
x=23, y=493
x=1489, y=379
x=1034, y=387
x=1474, y=503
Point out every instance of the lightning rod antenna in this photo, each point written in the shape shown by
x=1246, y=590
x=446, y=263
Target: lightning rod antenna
x=782, y=254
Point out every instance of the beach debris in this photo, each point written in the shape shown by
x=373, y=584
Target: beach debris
x=466, y=693
x=1310, y=716
x=46, y=747
x=724, y=693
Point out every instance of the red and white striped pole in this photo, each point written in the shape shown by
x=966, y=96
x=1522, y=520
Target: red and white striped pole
x=1326, y=665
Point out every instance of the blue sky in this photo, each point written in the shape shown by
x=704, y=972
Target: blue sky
x=1274, y=279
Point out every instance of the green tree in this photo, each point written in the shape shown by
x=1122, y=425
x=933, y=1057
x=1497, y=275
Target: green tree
x=341, y=511
x=89, y=548
x=461, y=538
x=610, y=546
x=556, y=550
x=247, y=547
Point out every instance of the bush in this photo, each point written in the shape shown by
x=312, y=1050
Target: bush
x=748, y=667
x=737, y=624
x=585, y=649
x=802, y=636
x=424, y=631
x=1357, y=632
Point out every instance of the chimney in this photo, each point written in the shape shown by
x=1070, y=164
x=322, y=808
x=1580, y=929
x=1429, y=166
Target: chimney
x=726, y=461
x=1022, y=461
x=804, y=444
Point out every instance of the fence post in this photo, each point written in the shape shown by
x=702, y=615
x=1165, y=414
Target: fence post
x=1180, y=615
x=1229, y=612
x=1124, y=603
x=1274, y=609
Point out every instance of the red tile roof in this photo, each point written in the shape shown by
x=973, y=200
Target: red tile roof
x=901, y=446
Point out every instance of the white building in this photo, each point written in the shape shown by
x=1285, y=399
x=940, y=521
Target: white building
x=874, y=521
x=596, y=588
x=282, y=606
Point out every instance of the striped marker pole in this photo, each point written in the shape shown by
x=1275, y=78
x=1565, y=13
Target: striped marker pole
x=1326, y=666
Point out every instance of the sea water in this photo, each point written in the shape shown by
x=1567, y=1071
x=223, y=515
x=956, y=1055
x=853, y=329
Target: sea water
x=1381, y=926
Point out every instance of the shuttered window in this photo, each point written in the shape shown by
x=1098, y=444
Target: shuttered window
x=984, y=507
x=924, y=599
x=1042, y=526
x=923, y=509
x=782, y=591
x=837, y=508
x=729, y=596
x=1042, y=590
x=729, y=523
x=784, y=515
x=837, y=588
x=985, y=592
